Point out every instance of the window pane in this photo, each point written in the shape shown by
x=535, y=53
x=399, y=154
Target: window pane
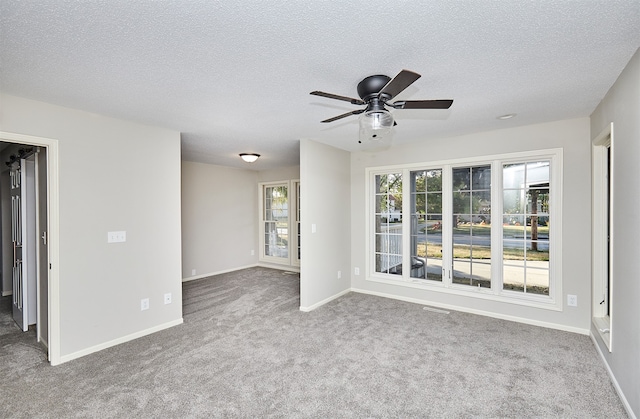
x=461, y=203
x=537, y=251
x=419, y=203
x=481, y=178
x=538, y=200
x=513, y=277
x=513, y=202
x=434, y=256
x=382, y=203
x=538, y=172
x=512, y=231
x=537, y=278
x=461, y=272
x=513, y=176
x=481, y=202
x=481, y=274
x=512, y=250
x=381, y=184
x=461, y=178
x=434, y=180
x=381, y=224
x=419, y=181
x=481, y=240
x=434, y=203
x=276, y=240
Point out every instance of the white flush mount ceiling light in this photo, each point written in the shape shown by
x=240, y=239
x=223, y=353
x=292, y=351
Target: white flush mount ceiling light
x=507, y=116
x=249, y=157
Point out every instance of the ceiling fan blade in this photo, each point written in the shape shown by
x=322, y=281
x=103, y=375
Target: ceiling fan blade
x=344, y=115
x=397, y=84
x=332, y=96
x=423, y=104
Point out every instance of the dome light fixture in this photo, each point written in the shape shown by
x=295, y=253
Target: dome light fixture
x=249, y=157
x=507, y=116
x=375, y=124
x=376, y=130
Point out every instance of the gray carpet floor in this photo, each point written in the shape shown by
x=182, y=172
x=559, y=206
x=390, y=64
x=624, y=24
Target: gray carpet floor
x=245, y=350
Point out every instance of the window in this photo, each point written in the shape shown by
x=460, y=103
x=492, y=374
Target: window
x=388, y=220
x=471, y=194
x=276, y=221
x=426, y=224
x=475, y=227
x=526, y=224
x=280, y=222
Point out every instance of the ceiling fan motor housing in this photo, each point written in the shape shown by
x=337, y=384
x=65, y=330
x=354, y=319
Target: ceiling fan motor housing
x=370, y=86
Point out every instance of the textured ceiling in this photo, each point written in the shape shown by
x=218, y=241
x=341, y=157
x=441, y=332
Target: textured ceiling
x=235, y=76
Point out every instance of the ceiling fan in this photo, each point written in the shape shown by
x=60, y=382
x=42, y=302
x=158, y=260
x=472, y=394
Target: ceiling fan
x=377, y=91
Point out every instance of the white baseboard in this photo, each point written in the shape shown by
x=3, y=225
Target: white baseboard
x=7, y=293
x=325, y=301
x=478, y=312
x=114, y=342
x=623, y=399
x=289, y=268
x=191, y=278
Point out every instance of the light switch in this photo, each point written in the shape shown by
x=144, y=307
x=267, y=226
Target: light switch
x=313, y=228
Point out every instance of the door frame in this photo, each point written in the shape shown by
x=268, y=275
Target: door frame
x=602, y=268
x=53, y=225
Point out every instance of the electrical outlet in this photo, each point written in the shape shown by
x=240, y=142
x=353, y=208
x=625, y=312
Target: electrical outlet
x=193, y=272
x=116, y=236
x=356, y=271
x=144, y=304
x=339, y=274
x=572, y=300
x=253, y=252
x=167, y=298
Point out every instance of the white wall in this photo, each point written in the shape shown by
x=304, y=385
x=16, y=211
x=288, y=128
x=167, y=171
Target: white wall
x=573, y=137
x=219, y=219
x=325, y=193
x=621, y=106
x=283, y=173
x=113, y=175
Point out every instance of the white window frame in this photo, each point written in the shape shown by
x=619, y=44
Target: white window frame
x=553, y=301
x=292, y=222
x=601, y=271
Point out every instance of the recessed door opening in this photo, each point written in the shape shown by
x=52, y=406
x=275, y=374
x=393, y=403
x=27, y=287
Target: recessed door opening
x=29, y=240
x=602, y=228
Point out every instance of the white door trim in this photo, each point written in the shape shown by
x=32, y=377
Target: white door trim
x=54, y=228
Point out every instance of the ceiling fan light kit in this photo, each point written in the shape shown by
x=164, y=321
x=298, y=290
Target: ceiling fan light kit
x=376, y=92
x=249, y=157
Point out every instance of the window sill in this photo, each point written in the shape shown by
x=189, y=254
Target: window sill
x=542, y=302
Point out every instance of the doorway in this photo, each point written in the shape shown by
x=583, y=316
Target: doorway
x=38, y=157
x=603, y=274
